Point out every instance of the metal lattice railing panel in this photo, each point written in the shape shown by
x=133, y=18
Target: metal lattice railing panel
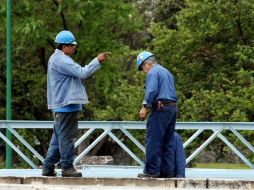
x=124, y=126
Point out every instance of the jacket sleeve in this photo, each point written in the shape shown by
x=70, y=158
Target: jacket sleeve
x=71, y=68
x=180, y=157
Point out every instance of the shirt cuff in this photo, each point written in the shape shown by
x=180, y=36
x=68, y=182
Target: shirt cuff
x=96, y=63
x=146, y=105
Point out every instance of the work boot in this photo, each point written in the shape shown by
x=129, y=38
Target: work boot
x=71, y=172
x=48, y=172
x=146, y=175
x=167, y=176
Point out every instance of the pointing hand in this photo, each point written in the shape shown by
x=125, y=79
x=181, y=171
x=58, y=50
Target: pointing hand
x=103, y=56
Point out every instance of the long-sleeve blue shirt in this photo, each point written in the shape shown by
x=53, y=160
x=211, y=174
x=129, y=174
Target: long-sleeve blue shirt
x=159, y=86
x=64, y=85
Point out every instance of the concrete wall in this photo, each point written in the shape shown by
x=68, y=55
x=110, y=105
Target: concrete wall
x=185, y=183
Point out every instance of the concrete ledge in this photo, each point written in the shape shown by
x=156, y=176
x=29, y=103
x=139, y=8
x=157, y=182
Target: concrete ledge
x=11, y=180
x=191, y=183
x=75, y=187
x=101, y=181
x=184, y=183
x=230, y=184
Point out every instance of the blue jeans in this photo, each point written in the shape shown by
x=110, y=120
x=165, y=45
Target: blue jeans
x=179, y=155
x=159, y=149
x=61, y=146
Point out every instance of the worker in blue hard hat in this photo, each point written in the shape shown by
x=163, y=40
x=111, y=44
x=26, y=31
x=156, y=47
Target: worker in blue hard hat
x=160, y=98
x=65, y=96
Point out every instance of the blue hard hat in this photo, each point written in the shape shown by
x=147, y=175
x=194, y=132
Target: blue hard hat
x=144, y=55
x=65, y=37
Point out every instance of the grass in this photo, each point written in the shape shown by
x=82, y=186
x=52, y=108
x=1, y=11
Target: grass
x=222, y=166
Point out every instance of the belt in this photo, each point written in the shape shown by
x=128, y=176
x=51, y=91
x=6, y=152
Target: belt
x=168, y=103
x=159, y=105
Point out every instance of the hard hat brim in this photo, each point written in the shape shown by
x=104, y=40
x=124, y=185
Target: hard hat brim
x=74, y=43
x=140, y=67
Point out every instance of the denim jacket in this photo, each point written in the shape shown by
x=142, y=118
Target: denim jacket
x=64, y=84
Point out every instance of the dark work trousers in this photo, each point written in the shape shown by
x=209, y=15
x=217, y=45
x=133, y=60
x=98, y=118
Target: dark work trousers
x=179, y=155
x=159, y=151
x=61, y=146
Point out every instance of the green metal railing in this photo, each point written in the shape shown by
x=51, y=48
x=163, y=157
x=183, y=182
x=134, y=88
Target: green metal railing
x=109, y=127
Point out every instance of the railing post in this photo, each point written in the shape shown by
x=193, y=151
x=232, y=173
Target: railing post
x=8, y=83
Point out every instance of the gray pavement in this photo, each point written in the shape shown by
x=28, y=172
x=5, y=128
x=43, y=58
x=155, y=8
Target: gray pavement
x=76, y=187
x=131, y=172
x=125, y=178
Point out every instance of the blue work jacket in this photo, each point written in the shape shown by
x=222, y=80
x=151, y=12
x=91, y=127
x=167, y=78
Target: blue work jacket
x=64, y=85
x=159, y=86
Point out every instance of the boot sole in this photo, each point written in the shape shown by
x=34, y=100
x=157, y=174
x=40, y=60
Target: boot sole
x=68, y=175
x=49, y=175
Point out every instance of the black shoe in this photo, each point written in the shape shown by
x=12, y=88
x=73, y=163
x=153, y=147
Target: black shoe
x=146, y=175
x=167, y=176
x=48, y=172
x=71, y=172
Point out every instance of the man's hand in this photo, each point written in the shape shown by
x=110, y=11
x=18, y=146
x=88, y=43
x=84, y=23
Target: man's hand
x=103, y=56
x=159, y=106
x=142, y=113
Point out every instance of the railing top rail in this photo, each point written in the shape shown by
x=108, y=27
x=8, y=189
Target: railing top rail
x=29, y=124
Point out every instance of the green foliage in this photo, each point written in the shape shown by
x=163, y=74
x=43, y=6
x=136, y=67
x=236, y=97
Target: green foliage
x=221, y=166
x=165, y=12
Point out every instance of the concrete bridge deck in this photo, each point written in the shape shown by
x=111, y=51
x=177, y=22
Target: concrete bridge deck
x=132, y=172
x=95, y=178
